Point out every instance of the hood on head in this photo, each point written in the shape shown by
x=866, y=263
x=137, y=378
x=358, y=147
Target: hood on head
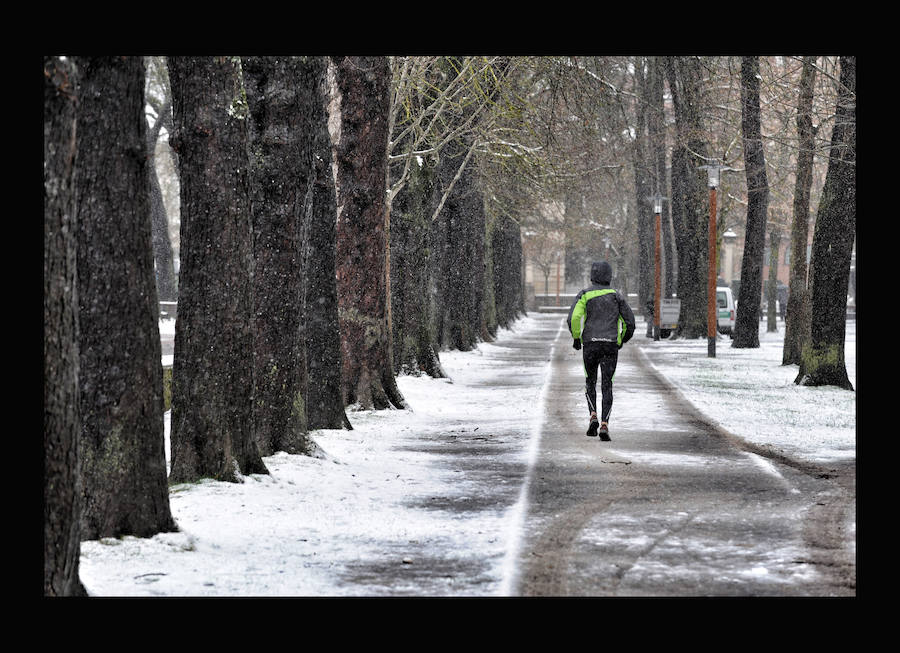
x=601, y=273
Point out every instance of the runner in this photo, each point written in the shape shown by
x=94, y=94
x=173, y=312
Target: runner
x=608, y=324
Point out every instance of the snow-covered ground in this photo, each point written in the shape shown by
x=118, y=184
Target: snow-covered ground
x=751, y=394
x=311, y=524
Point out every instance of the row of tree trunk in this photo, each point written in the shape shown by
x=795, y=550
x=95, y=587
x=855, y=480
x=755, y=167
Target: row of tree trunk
x=284, y=291
x=456, y=272
x=746, y=327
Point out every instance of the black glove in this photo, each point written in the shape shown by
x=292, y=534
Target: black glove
x=577, y=344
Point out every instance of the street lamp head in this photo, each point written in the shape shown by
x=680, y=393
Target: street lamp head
x=713, y=171
x=657, y=200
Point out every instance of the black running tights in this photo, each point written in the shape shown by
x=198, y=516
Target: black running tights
x=605, y=356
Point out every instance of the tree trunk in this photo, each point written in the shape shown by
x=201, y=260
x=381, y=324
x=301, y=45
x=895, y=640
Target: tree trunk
x=412, y=298
x=121, y=393
x=797, y=323
x=644, y=179
x=212, y=375
x=362, y=233
x=772, y=294
x=642, y=190
x=690, y=199
x=670, y=254
x=281, y=94
x=656, y=123
x=506, y=249
x=324, y=368
x=62, y=425
x=746, y=327
x=822, y=361
x=461, y=281
x=489, y=300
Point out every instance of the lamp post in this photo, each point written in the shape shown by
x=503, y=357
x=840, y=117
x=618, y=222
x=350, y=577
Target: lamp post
x=657, y=210
x=712, y=169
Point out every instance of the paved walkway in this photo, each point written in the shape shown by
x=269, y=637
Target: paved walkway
x=669, y=507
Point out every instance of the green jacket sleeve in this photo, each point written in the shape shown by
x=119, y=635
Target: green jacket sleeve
x=576, y=314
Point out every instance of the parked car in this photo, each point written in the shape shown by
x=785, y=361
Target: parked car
x=725, y=310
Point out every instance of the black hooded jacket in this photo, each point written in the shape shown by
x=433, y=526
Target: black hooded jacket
x=606, y=314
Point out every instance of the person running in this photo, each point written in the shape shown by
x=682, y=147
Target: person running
x=608, y=324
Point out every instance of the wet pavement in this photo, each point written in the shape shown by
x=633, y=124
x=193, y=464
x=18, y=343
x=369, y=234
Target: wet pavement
x=669, y=507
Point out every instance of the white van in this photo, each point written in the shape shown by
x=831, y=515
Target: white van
x=725, y=310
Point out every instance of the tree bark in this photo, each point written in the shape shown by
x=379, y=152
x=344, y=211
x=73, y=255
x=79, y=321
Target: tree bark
x=644, y=178
x=646, y=182
x=62, y=424
x=822, y=360
x=412, y=296
x=489, y=300
x=797, y=319
x=690, y=199
x=656, y=123
x=746, y=328
x=461, y=234
x=212, y=375
x=121, y=394
x=506, y=250
x=281, y=93
x=362, y=266
x=670, y=252
x=324, y=368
